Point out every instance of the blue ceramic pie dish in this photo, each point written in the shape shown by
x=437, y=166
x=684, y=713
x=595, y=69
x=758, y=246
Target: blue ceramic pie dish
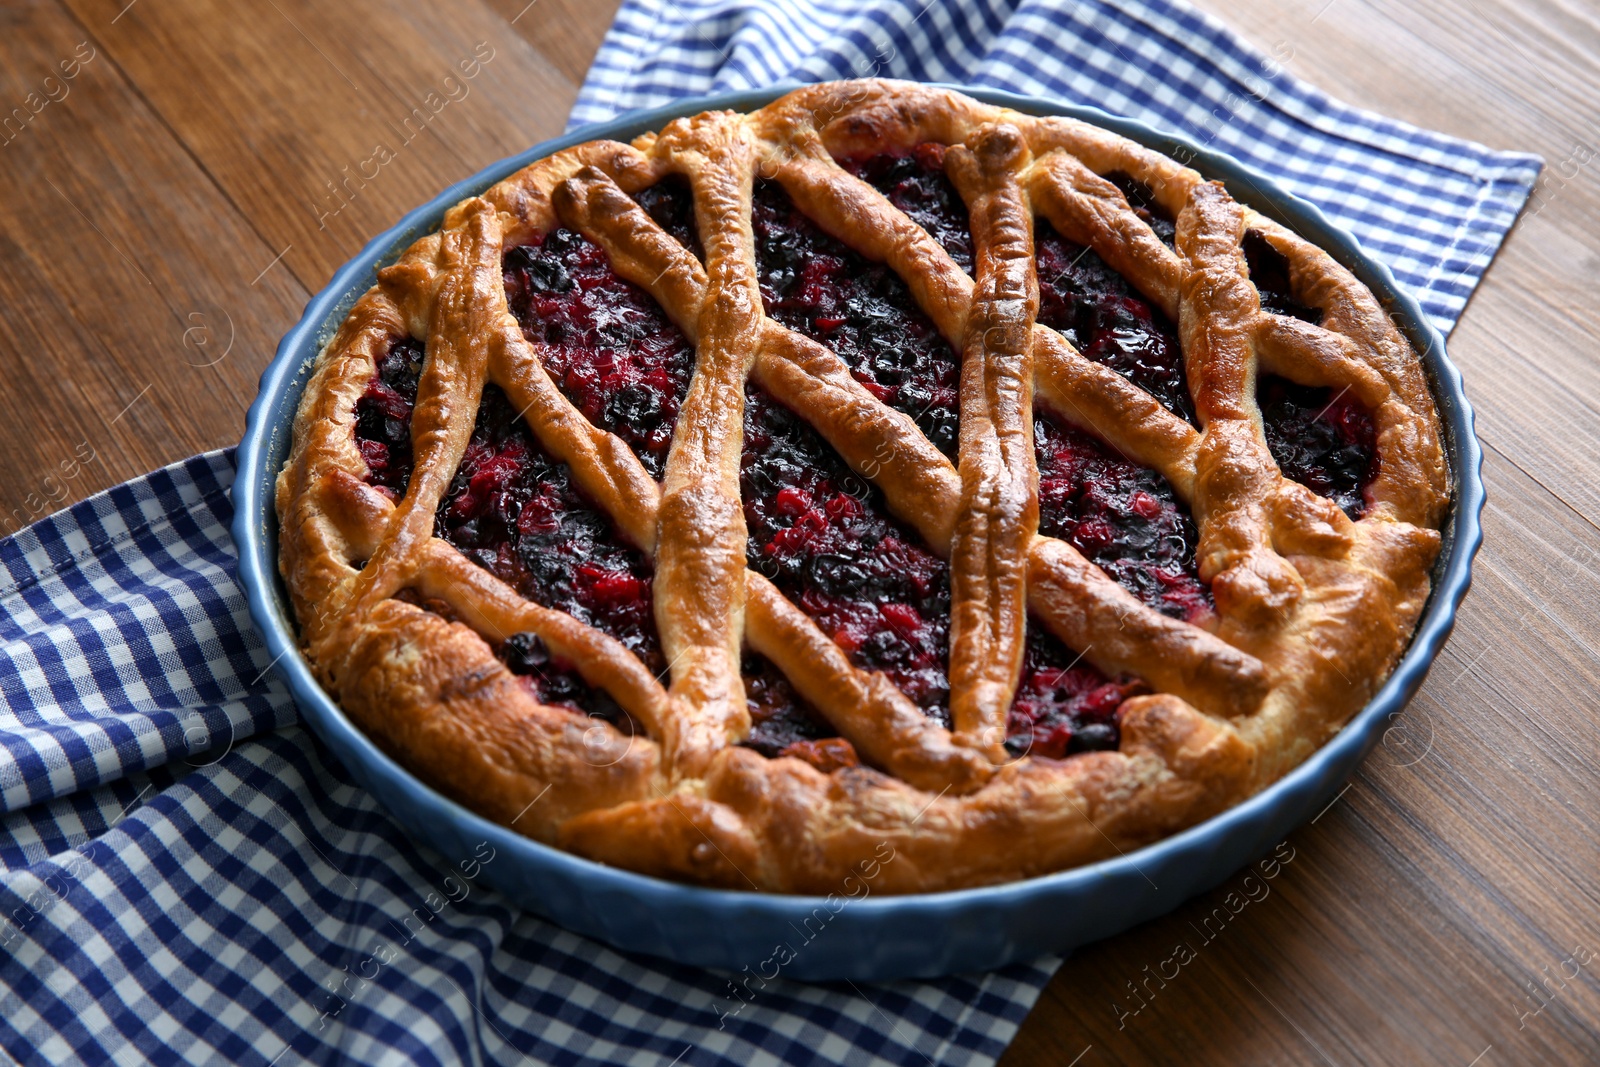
x=865, y=938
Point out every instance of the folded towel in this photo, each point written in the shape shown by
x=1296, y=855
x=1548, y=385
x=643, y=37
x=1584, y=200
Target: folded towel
x=1433, y=208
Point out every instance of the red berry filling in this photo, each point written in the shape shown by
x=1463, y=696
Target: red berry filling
x=1324, y=440
x=916, y=184
x=383, y=418
x=1269, y=271
x=1124, y=518
x=821, y=533
x=604, y=341
x=554, y=681
x=515, y=511
x=861, y=310
x=779, y=717
x=826, y=539
x=1107, y=320
x=670, y=202
x=1142, y=199
x=1064, y=705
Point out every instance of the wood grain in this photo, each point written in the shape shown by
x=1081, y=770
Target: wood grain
x=1461, y=865
x=163, y=222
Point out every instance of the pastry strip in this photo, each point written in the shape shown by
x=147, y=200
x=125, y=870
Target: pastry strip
x=998, y=514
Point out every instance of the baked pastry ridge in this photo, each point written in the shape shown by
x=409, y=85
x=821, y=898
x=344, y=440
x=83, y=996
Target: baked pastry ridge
x=879, y=468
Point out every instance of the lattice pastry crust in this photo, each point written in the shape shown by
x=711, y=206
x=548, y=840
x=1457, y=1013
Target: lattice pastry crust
x=1312, y=609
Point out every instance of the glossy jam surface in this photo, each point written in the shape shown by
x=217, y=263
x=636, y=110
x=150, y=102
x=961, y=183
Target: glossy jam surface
x=1124, y=518
x=515, y=511
x=604, y=341
x=779, y=718
x=383, y=418
x=827, y=541
x=1107, y=320
x=670, y=202
x=1269, y=271
x=861, y=310
x=1321, y=438
x=916, y=184
x=1063, y=704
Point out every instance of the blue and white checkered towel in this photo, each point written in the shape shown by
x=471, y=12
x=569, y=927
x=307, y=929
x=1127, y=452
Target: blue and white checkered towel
x=186, y=877
x=1432, y=207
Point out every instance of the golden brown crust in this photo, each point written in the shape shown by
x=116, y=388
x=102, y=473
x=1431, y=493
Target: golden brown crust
x=700, y=531
x=1312, y=609
x=999, y=510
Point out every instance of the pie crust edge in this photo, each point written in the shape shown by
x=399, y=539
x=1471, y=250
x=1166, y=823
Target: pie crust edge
x=1313, y=610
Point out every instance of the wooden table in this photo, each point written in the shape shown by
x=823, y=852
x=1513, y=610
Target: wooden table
x=166, y=211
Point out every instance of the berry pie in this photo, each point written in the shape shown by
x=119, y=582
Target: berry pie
x=878, y=468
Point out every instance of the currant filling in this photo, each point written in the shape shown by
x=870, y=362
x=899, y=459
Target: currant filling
x=782, y=723
x=1107, y=320
x=1269, y=271
x=1063, y=704
x=383, y=418
x=826, y=540
x=515, y=511
x=670, y=202
x=916, y=184
x=815, y=528
x=556, y=682
x=1124, y=518
x=862, y=310
x=604, y=341
x=1324, y=440
x=1142, y=199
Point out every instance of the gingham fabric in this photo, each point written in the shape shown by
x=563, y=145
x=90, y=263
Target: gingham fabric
x=187, y=877
x=1433, y=208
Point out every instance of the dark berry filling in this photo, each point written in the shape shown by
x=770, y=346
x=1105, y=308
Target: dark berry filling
x=816, y=529
x=916, y=184
x=1124, y=518
x=554, y=681
x=515, y=511
x=779, y=717
x=604, y=341
x=670, y=202
x=827, y=541
x=1142, y=199
x=1064, y=705
x=383, y=418
x=1269, y=271
x=1107, y=320
x=1324, y=440
x=861, y=310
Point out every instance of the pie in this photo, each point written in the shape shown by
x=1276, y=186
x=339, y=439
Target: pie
x=880, y=480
